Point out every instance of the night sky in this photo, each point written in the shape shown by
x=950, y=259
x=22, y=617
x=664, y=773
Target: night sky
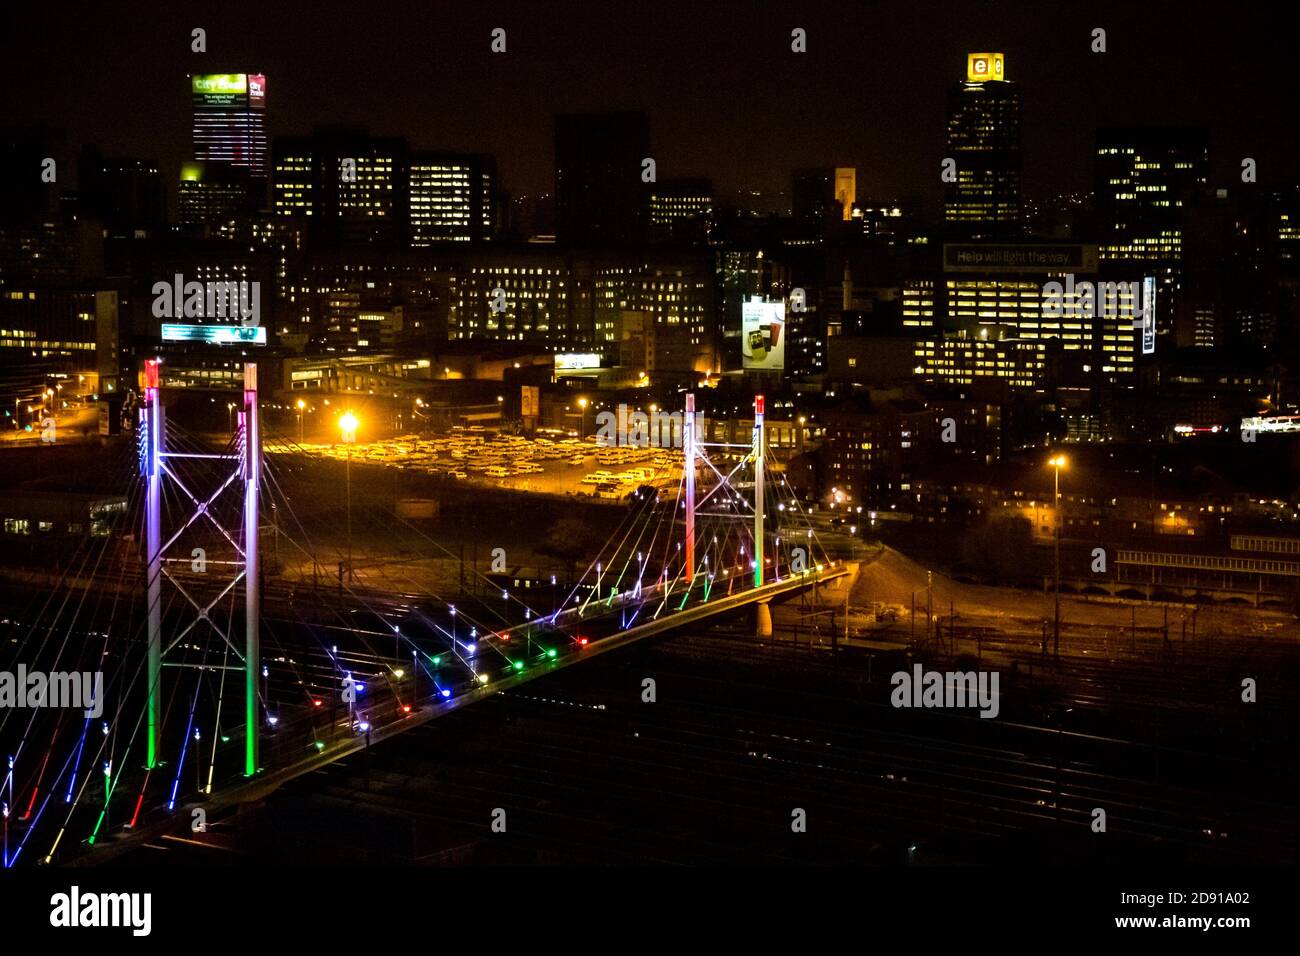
x=725, y=95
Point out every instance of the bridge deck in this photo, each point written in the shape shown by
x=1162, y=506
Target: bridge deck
x=262, y=786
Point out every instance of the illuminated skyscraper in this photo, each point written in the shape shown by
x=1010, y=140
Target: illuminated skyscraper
x=983, y=197
x=452, y=197
x=681, y=209
x=350, y=187
x=229, y=124
x=1145, y=182
x=1145, y=178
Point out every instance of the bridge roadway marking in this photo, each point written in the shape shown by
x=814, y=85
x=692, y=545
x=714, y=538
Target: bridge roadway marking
x=262, y=787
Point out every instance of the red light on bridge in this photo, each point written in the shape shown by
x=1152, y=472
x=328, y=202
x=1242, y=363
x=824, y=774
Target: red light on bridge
x=759, y=402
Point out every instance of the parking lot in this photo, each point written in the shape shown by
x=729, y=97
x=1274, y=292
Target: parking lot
x=558, y=464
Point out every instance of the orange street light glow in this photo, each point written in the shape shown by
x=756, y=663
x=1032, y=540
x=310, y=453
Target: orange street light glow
x=348, y=425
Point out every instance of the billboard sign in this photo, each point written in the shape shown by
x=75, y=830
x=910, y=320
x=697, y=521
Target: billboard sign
x=762, y=335
x=1148, y=315
x=1079, y=258
x=573, y=361
x=221, y=89
x=530, y=401
x=257, y=91
x=215, y=334
x=982, y=67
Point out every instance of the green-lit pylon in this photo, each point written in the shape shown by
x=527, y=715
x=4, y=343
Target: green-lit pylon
x=758, y=491
x=252, y=451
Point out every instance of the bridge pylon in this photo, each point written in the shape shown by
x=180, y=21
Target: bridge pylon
x=694, y=454
x=758, y=453
x=159, y=465
x=688, y=463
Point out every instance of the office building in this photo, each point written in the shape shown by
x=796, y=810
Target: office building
x=1145, y=182
x=681, y=209
x=982, y=199
x=211, y=196
x=229, y=121
x=124, y=193
x=452, y=198
x=350, y=187
x=823, y=195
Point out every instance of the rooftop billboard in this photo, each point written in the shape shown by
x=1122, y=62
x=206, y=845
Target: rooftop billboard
x=226, y=89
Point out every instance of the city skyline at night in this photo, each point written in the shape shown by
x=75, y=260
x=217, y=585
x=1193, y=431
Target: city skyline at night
x=449, y=450
x=837, y=105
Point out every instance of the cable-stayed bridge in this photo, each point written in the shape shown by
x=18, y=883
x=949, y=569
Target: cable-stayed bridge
x=221, y=681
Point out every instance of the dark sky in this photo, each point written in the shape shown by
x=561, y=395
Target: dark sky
x=725, y=95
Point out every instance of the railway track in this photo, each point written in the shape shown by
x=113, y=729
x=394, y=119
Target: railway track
x=712, y=771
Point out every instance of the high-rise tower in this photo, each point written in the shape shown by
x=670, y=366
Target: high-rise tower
x=229, y=123
x=983, y=198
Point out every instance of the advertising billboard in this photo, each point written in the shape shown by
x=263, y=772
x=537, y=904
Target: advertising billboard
x=215, y=334
x=221, y=89
x=530, y=401
x=572, y=361
x=1148, y=315
x=1020, y=257
x=256, y=91
x=981, y=67
x=762, y=335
